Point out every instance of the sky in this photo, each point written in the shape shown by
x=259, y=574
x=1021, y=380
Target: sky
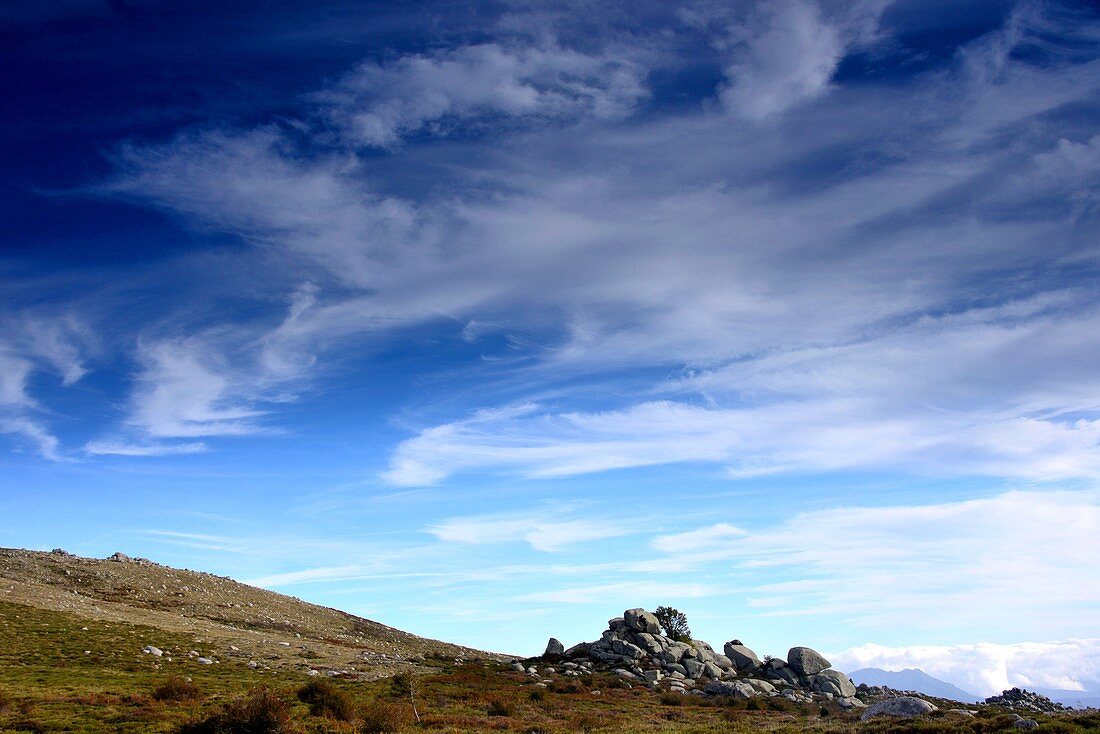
x=491, y=320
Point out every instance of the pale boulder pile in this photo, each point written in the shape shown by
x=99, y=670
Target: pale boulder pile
x=633, y=648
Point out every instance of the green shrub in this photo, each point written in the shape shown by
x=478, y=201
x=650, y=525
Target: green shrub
x=177, y=689
x=537, y=695
x=674, y=623
x=379, y=717
x=260, y=712
x=401, y=685
x=327, y=700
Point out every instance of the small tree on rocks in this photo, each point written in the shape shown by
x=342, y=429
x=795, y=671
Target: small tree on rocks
x=674, y=623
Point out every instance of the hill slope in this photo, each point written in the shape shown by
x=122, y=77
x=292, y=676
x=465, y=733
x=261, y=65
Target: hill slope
x=221, y=615
x=912, y=679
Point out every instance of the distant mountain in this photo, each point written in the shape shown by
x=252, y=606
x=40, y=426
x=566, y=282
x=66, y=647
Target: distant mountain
x=912, y=679
x=1076, y=699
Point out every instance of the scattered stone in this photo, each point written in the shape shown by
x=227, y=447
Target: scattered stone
x=805, y=661
x=204, y=661
x=518, y=667
x=850, y=702
x=120, y=558
x=154, y=651
x=904, y=707
x=1026, y=724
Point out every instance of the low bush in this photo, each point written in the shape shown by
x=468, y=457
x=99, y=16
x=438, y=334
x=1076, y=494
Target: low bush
x=672, y=699
x=379, y=717
x=259, y=712
x=498, y=708
x=176, y=689
x=325, y=699
x=585, y=723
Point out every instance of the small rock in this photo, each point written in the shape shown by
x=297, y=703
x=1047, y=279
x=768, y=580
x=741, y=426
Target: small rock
x=154, y=651
x=1026, y=724
x=204, y=661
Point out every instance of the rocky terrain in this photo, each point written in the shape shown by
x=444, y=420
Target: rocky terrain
x=123, y=644
x=225, y=619
x=1018, y=699
x=634, y=649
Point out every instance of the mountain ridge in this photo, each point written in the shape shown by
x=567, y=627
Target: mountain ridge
x=912, y=679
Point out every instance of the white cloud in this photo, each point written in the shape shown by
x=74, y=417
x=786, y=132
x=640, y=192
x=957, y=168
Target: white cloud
x=1003, y=392
x=810, y=313
x=1019, y=561
x=540, y=531
x=697, y=540
x=629, y=592
x=122, y=448
x=785, y=57
x=184, y=393
x=32, y=342
x=988, y=668
x=380, y=104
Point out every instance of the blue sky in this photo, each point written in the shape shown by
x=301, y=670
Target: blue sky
x=491, y=320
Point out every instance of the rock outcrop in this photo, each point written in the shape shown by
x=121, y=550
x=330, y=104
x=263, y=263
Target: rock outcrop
x=902, y=707
x=554, y=648
x=1019, y=699
x=633, y=648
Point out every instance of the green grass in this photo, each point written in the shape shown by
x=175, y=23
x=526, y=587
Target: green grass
x=49, y=683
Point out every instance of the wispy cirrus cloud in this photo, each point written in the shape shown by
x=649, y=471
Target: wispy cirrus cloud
x=743, y=253
x=547, y=530
x=33, y=343
x=379, y=104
